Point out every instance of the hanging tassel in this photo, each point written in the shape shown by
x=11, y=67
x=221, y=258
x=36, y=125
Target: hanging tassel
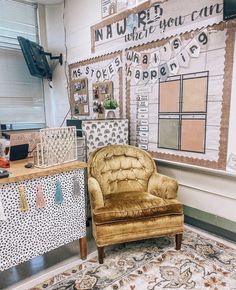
x=2, y=214
x=40, y=201
x=58, y=195
x=24, y=206
x=76, y=187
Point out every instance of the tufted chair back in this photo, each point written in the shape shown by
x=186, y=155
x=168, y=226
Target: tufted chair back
x=121, y=168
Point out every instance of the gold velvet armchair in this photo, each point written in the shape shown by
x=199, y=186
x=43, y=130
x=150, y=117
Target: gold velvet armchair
x=129, y=200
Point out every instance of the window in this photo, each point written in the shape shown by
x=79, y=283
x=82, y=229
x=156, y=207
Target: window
x=183, y=112
x=21, y=95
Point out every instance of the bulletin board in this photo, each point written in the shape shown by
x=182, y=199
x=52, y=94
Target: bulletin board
x=79, y=100
x=104, y=71
x=179, y=107
x=101, y=91
x=178, y=69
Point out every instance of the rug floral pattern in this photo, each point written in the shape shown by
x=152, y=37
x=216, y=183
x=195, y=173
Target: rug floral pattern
x=154, y=264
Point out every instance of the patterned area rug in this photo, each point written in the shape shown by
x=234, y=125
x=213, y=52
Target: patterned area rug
x=154, y=264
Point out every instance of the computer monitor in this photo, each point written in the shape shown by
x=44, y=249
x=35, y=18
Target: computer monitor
x=77, y=124
x=19, y=152
x=3, y=127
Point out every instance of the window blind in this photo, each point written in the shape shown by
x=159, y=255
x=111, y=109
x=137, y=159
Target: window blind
x=17, y=18
x=21, y=95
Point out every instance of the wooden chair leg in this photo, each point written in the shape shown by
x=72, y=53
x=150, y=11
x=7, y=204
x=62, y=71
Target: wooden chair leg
x=178, y=240
x=101, y=255
x=83, y=248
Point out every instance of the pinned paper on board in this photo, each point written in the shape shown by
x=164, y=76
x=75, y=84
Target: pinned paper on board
x=232, y=161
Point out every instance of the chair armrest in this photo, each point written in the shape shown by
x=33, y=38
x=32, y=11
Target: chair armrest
x=95, y=191
x=162, y=186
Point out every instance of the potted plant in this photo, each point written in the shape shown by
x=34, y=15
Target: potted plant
x=110, y=105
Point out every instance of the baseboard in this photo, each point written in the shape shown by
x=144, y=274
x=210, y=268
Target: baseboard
x=211, y=228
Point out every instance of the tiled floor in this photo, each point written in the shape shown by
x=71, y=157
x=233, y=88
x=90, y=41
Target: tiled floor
x=40, y=268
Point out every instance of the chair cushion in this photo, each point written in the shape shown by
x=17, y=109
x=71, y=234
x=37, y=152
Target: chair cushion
x=121, y=168
x=126, y=206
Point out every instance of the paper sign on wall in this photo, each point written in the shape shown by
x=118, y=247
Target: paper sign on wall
x=156, y=21
x=109, y=7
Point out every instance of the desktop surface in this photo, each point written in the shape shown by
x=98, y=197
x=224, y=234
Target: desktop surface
x=18, y=172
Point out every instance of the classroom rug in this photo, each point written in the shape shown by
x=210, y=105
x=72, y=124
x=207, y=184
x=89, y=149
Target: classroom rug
x=202, y=263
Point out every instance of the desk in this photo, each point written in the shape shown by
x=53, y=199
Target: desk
x=25, y=235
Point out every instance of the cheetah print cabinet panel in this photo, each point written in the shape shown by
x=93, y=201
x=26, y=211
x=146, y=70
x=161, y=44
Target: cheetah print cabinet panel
x=105, y=132
x=25, y=235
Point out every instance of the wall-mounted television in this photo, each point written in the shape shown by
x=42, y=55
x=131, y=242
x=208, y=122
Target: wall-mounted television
x=229, y=9
x=36, y=59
